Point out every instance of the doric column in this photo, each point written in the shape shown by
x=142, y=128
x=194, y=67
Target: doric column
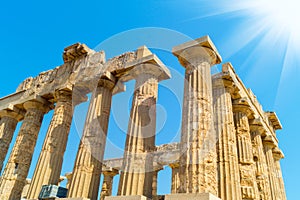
x=88, y=165
x=245, y=152
x=48, y=168
x=137, y=170
x=16, y=170
x=269, y=143
x=262, y=176
x=8, y=122
x=136, y=177
x=228, y=167
x=108, y=182
x=278, y=155
x=198, y=166
x=175, y=178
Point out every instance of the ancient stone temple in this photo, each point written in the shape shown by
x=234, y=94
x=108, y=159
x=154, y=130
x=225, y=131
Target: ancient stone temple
x=228, y=148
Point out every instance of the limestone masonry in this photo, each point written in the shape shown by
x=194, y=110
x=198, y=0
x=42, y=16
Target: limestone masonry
x=228, y=148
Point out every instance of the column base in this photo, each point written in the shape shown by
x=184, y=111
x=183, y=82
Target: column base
x=135, y=197
x=187, y=196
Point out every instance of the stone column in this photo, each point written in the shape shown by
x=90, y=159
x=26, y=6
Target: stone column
x=228, y=167
x=108, y=182
x=269, y=143
x=88, y=165
x=245, y=152
x=175, y=178
x=262, y=176
x=16, y=170
x=198, y=166
x=48, y=168
x=278, y=155
x=136, y=177
x=137, y=170
x=8, y=123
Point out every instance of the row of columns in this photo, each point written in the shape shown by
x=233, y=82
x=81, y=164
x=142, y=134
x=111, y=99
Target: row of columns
x=231, y=159
x=248, y=156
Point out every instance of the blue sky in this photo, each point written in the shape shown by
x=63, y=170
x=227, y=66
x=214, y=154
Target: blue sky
x=262, y=46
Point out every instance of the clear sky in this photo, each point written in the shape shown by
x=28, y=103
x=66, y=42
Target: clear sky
x=260, y=38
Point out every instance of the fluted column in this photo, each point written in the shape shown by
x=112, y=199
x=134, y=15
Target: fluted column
x=198, y=166
x=269, y=144
x=16, y=170
x=88, y=165
x=137, y=174
x=175, y=178
x=8, y=124
x=48, y=168
x=108, y=183
x=278, y=155
x=245, y=152
x=228, y=167
x=262, y=176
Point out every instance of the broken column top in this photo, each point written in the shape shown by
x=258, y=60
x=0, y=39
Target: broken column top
x=146, y=62
x=200, y=42
x=75, y=51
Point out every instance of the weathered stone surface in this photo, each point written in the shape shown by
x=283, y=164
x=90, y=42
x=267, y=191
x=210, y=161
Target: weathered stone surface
x=199, y=196
x=85, y=179
x=48, y=168
x=133, y=197
x=198, y=166
x=8, y=123
x=137, y=171
x=195, y=161
x=16, y=169
x=228, y=173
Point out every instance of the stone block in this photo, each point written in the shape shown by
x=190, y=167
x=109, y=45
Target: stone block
x=200, y=196
x=134, y=197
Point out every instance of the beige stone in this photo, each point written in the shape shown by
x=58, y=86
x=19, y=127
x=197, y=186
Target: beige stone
x=16, y=169
x=50, y=162
x=198, y=166
x=240, y=159
x=199, y=196
x=133, y=197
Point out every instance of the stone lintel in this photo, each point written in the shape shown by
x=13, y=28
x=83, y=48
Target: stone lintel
x=190, y=196
x=198, y=43
x=134, y=197
x=226, y=67
x=150, y=64
x=274, y=120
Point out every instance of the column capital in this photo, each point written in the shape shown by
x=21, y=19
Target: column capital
x=242, y=105
x=63, y=95
x=146, y=63
x=277, y=154
x=42, y=106
x=174, y=165
x=256, y=125
x=109, y=171
x=15, y=114
x=269, y=141
x=201, y=49
x=218, y=82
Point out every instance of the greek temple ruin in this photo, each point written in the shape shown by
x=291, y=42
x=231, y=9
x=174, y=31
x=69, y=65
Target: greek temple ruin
x=228, y=148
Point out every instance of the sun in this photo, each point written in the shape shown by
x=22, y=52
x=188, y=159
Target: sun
x=283, y=15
